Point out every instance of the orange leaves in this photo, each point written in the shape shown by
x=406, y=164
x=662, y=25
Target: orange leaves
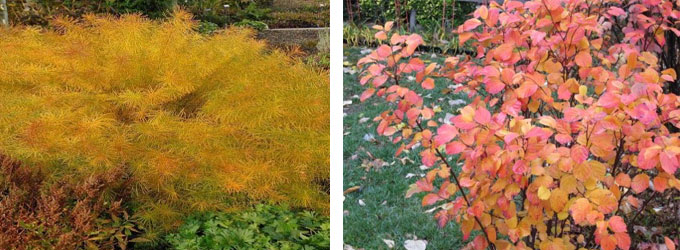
x=580, y=210
x=504, y=52
x=366, y=94
x=445, y=133
x=617, y=224
x=428, y=83
x=469, y=25
x=482, y=116
x=579, y=153
x=669, y=161
x=669, y=243
x=560, y=116
x=558, y=199
x=583, y=59
x=526, y=89
x=430, y=199
x=384, y=51
x=640, y=183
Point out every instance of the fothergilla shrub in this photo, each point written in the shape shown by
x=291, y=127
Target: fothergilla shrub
x=200, y=122
x=570, y=139
x=263, y=227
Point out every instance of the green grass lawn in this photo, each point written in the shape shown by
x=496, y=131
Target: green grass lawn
x=379, y=210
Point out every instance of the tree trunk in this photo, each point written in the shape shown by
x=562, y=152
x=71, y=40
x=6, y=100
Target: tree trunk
x=4, y=17
x=397, y=13
x=453, y=13
x=412, y=21
x=443, y=16
x=350, y=13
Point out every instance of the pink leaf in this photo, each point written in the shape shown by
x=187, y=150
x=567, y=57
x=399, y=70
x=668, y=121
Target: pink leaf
x=384, y=51
x=454, y=148
x=579, y=153
x=445, y=133
x=428, y=83
x=366, y=94
x=669, y=162
x=471, y=24
x=482, y=116
x=608, y=100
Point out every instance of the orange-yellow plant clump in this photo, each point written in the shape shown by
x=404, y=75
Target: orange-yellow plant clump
x=201, y=122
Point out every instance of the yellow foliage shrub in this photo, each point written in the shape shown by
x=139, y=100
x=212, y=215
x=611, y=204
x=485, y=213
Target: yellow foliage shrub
x=202, y=122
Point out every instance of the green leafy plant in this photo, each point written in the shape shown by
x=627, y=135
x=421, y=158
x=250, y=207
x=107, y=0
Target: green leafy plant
x=257, y=25
x=263, y=227
x=254, y=12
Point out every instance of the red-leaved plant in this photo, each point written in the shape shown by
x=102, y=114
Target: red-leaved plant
x=567, y=142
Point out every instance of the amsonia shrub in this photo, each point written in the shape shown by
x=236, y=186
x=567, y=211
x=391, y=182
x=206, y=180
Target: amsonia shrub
x=201, y=122
x=570, y=140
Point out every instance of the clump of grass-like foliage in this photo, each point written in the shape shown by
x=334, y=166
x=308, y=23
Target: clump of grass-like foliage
x=200, y=122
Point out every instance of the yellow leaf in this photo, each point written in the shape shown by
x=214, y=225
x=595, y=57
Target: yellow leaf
x=543, y=193
x=558, y=199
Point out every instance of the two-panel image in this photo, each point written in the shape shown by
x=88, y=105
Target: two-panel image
x=340, y=124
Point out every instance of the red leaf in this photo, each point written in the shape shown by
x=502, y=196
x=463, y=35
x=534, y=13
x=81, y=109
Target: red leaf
x=519, y=167
x=579, y=153
x=366, y=94
x=482, y=116
x=381, y=35
x=445, y=133
x=669, y=243
x=616, y=11
x=454, y=148
x=583, y=59
x=494, y=86
x=428, y=83
x=622, y=240
x=526, y=89
x=470, y=24
x=640, y=183
x=617, y=224
x=430, y=199
x=384, y=51
x=563, y=138
x=504, y=52
x=669, y=162
x=428, y=158
x=423, y=185
x=608, y=100
x=608, y=242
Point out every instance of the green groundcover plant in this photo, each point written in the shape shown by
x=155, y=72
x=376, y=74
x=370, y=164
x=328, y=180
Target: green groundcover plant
x=264, y=227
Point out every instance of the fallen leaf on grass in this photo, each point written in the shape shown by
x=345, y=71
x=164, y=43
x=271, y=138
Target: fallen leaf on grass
x=369, y=137
x=376, y=164
x=363, y=120
x=405, y=160
x=352, y=189
x=389, y=243
x=415, y=244
x=348, y=247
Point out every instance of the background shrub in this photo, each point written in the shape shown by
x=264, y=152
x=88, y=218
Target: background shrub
x=202, y=123
x=264, y=227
